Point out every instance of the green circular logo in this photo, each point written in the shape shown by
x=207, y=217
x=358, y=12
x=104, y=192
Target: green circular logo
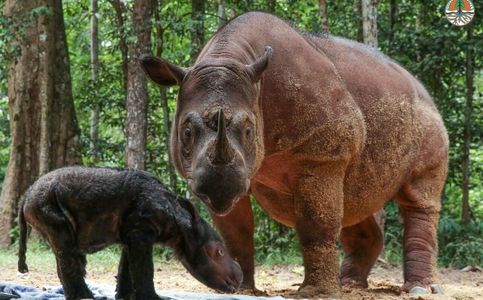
x=460, y=12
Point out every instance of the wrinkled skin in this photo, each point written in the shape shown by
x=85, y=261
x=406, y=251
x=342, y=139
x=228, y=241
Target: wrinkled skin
x=323, y=132
x=82, y=210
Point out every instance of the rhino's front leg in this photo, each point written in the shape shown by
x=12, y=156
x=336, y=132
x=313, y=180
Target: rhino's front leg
x=318, y=225
x=141, y=268
x=124, y=288
x=236, y=229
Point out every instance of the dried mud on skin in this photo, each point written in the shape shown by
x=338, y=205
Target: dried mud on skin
x=384, y=281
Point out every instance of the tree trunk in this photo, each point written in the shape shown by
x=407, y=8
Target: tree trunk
x=164, y=100
x=392, y=20
x=221, y=13
x=358, y=10
x=197, y=32
x=120, y=9
x=324, y=18
x=137, y=89
x=369, y=22
x=94, y=73
x=419, y=37
x=44, y=129
x=465, y=155
x=271, y=5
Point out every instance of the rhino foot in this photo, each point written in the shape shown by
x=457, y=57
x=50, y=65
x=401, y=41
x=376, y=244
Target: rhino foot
x=310, y=291
x=352, y=282
x=251, y=291
x=418, y=290
x=436, y=289
x=433, y=288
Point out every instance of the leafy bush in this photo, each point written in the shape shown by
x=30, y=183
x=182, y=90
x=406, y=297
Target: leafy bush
x=460, y=246
x=274, y=243
x=393, y=234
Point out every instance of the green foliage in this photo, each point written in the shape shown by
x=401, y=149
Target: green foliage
x=274, y=243
x=460, y=246
x=40, y=11
x=4, y=136
x=393, y=233
x=5, y=24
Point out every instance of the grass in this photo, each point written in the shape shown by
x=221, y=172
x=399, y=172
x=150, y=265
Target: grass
x=290, y=256
x=40, y=255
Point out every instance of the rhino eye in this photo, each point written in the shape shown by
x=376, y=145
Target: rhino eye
x=220, y=252
x=187, y=138
x=187, y=132
x=248, y=131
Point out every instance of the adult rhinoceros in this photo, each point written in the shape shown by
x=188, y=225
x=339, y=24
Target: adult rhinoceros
x=323, y=132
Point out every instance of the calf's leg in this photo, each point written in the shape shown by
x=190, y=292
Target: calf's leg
x=141, y=268
x=362, y=244
x=71, y=262
x=71, y=271
x=124, y=288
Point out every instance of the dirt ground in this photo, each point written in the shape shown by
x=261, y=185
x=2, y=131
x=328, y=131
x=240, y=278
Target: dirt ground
x=384, y=281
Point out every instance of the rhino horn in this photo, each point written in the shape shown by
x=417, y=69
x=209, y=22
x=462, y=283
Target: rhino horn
x=223, y=151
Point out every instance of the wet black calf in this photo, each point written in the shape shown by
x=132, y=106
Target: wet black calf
x=82, y=210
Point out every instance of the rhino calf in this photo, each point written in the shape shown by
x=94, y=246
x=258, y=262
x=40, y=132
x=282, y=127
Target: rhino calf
x=82, y=210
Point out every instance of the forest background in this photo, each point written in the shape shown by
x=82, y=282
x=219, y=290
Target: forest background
x=71, y=92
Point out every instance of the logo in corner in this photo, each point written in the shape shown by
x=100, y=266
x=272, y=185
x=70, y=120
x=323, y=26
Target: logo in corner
x=460, y=12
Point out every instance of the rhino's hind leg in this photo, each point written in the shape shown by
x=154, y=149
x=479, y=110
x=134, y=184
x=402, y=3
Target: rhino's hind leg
x=419, y=201
x=362, y=244
x=71, y=263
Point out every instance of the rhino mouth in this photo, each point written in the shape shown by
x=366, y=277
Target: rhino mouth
x=219, y=210
x=219, y=197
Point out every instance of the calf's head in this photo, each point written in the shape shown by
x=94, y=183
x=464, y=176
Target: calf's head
x=202, y=252
x=217, y=133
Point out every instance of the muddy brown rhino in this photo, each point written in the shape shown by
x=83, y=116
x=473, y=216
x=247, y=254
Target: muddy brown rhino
x=323, y=132
x=82, y=210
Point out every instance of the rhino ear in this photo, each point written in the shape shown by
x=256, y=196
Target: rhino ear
x=256, y=69
x=161, y=71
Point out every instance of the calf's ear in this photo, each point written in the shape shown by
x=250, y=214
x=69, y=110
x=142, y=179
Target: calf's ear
x=255, y=70
x=186, y=204
x=161, y=71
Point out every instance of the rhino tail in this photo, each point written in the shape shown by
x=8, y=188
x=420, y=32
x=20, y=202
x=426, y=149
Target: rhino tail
x=22, y=244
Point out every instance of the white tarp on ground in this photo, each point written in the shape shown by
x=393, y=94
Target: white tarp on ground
x=16, y=291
